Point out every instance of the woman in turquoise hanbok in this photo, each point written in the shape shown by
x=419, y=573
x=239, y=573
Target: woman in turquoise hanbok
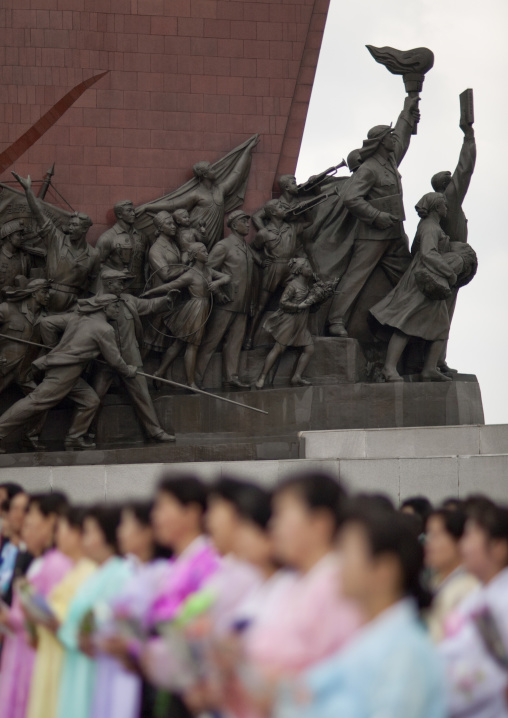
x=79, y=667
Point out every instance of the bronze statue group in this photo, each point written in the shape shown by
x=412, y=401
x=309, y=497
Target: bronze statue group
x=164, y=279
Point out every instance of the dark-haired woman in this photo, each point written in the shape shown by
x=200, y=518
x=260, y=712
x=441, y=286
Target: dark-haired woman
x=87, y=610
x=310, y=619
x=120, y=693
x=390, y=668
x=450, y=581
x=178, y=522
x=46, y=570
x=236, y=578
x=44, y=689
x=254, y=545
x=476, y=648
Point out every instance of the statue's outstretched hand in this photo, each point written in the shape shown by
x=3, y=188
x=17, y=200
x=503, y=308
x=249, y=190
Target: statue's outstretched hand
x=25, y=183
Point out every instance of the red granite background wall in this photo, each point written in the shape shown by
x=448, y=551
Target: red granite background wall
x=188, y=80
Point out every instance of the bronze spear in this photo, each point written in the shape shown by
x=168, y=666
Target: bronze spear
x=149, y=376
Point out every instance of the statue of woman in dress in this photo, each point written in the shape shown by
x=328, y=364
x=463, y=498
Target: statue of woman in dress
x=187, y=322
x=215, y=189
x=417, y=306
x=289, y=325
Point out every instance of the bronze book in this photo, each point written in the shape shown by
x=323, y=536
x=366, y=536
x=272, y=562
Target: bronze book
x=391, y=204
x=466, y=107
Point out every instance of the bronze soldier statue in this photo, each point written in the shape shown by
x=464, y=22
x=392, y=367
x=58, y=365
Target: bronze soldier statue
x=129, y=334
x=374, y=197
x=19, y=319
x=14, y=262
x=288, y=196
x=71, y=262
x=278, y=242
x=86, y=335
x=292, y=194
x=123, y=248
x=234, y=257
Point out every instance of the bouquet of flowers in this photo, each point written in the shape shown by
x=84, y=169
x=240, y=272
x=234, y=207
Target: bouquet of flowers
x=34, y=604
x=320, y=292
x=188, y=640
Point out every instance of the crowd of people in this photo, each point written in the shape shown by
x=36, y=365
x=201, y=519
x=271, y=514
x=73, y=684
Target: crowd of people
x=232, y=600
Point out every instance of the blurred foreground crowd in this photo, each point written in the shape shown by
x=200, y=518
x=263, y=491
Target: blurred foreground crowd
x=230, y=600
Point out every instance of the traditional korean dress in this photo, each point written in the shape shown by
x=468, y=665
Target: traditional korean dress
x=231, y=585
x=448, y=596
x=118, y=693
x=18, y=656
x=192, y=570
x=78, y=671
x=476, y=680
x=390, y=669
x=43, y=701
x=307, y=622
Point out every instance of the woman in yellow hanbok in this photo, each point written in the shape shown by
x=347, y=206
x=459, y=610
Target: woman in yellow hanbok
x=45, y=685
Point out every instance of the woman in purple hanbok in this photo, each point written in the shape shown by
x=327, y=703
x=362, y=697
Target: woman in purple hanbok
x=120, y=693
x=48, y=568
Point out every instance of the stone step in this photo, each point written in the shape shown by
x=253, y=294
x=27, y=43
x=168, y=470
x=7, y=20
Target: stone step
x=410, y=442
x=187, y=448
x=291, y=410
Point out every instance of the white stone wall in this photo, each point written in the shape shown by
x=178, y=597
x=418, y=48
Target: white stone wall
x=437, y=477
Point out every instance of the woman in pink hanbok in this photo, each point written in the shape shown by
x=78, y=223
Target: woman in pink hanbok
x=299, y=617
x=47, y=569
x=310, y=619
x=178, y=525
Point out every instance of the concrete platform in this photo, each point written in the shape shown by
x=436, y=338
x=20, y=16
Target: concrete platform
x=409, y=442
x=435, y=477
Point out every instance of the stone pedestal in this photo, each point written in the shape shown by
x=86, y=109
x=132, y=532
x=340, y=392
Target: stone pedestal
x=438, y=462
x=209, y=430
